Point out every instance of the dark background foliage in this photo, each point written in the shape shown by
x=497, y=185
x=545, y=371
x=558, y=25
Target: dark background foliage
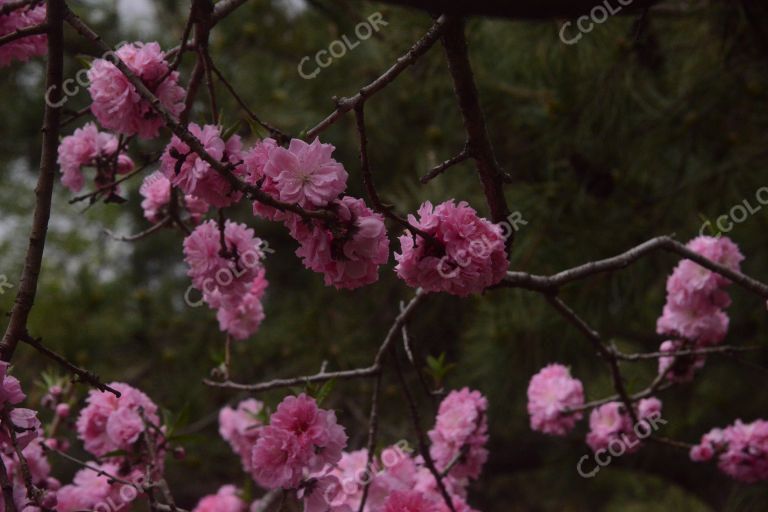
x=622, y=137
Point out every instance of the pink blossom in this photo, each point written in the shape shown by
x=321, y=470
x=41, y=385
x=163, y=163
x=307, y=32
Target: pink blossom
x=109, y=423
x=39, y=472
x=88, y=147
x=706, y=325
x=550, y=392
x=741, y=449
x=679, y=368
x=241, y=427
x=196, y=207
x=610, y=422
x=117, y=104
x=10, y=387
x=225, y=500
x=461, y=429
x=350, y=254
x=410, y=502
x=156, y=190
x=22, y=49
x=24, y=423
x=323, y=494
x=466, y=256
x=306, y=174
x=301, y=438
x=223, y=273
x=186, y=170
x=92, y=490
x=242, y=318
x=254, y=161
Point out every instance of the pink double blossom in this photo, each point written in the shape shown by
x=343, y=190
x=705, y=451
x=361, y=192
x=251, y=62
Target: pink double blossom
x=741, y=450
x=465, y=255
x=117, y=104
x=550, y=393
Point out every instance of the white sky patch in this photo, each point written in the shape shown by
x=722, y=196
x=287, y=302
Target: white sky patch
x=137, y=17
x=292, y=8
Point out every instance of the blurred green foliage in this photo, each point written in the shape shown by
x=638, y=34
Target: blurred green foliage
x=609, y=142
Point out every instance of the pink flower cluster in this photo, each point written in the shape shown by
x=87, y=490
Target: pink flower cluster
x=225, y=500
x=694, y=311
x=552, y=391
x=25, y=429
x=612, y=423
x=348, y=252
x=108, y=423
x=460, y=434
x=741, y=450
x=225, y=265
x=193, y=175
x=88, y=147
x=301, y=439
x=240, y=427
x=92, y=489
x=27, y=47
x=24, y=424
x=117, y=104
x=156, y=191
x=465, y=255
x=40, y=471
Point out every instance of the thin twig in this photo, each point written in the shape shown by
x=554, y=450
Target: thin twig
x=82, y=374
x=138, y=236
x=441, y=168
x=344, y=105
x=24, y=32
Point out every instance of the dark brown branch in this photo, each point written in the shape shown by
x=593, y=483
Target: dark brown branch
x=725, y=349
x=24, y=32
x=13, y=5
x=365, y=170
x=82, y=374
x=609, y=354
x=344, y=105
x=373, y=427
x=441, y=168
x=420, y=435
x=33, y=492
x=281, y=137
x=25, y=297
x=75, y=116
x=552, y=283
x=111, y=186
x=138, y=236
x=478, y=144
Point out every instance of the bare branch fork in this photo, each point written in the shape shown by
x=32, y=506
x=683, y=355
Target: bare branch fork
x=24, y=32
x=323, y=375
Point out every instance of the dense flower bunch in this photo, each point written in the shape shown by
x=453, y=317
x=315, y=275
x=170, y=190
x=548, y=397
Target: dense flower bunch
x=741, y=450
x=21, y=429
x=26, y=47
x=611, y=422
x=301, y=449
x=551, y=392
x=460, y=434
x=125, y=435
x=193, y=175
x=348, y=251
x=225, y=265
x=226, y=499
x=301, y=439
x=110, y=423
x=88, y=147
x=117, y=104
x=156, y=193
x=694, y=311
x=465, y=255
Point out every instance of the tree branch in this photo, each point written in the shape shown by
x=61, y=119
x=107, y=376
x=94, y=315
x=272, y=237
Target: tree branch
x=25, y=297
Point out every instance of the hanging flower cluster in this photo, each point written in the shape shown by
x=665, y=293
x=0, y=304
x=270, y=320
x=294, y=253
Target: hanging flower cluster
x=302, y=449
x=25, y=48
